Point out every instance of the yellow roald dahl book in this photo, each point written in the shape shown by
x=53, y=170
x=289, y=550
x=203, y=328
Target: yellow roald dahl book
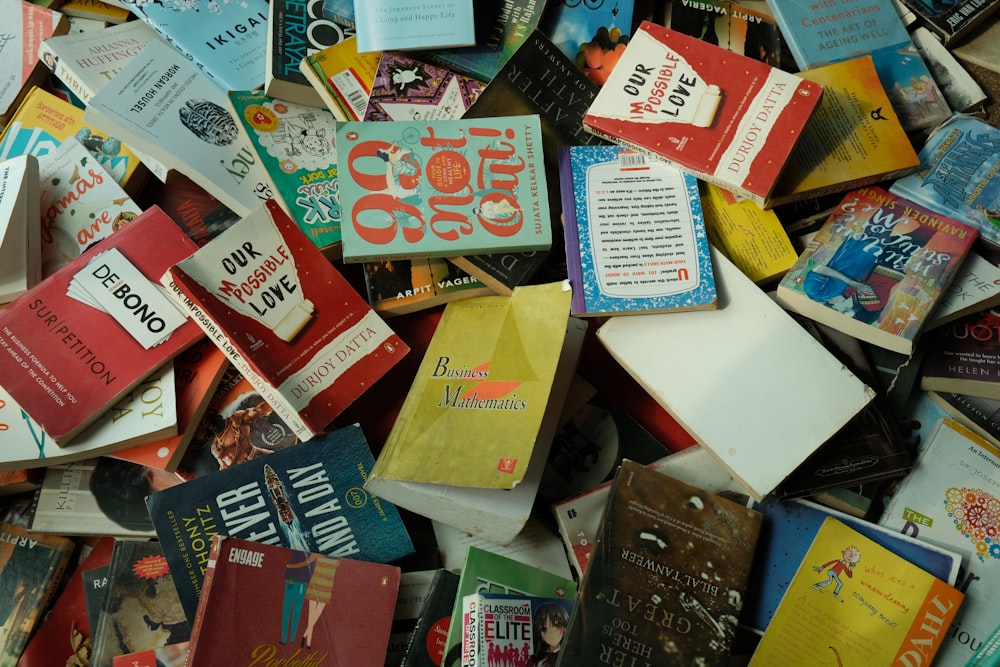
x=853, y=602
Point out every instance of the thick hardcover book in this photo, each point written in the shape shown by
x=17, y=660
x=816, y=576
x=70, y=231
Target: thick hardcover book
x=676, y=97
x=771, y=427
x=948, y=499
x=287, y=319
x=952, y=20
x=853, y=601
x=406, y=88
x=163, y=105
x=342, y=77
x=751, y=238
x=652, y=261
x=877, y=267
x=145, y=414
x=305, y=608
x=425, y=646
x=297, y=29
x=651, y=592
x=306, y=497
x=823, y=33
x=958, y=175
x=86, y=61
x=69, y=360
x=20, y=233
x=853, y=139
x=785, y=536
x=80, y=204
x=963, y=357
x=497, y=625
x=32, y=569
x=445, y=188
x=747, y=27
x=403, y=286
x=225, y=39
x=28, y=24
x=141, y=609
x=486, y=572
x=384, y=24
x=43, y=121
x=295, y=145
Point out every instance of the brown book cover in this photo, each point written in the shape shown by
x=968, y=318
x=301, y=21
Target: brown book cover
x=666, y=579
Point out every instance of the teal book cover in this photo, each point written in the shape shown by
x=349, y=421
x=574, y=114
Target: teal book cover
x=388, y=24
x=296, y=145
x=226, y=39
x=444, y=188
x=635, y=235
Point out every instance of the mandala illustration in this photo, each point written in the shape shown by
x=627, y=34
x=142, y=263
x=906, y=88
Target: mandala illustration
x=976, y=515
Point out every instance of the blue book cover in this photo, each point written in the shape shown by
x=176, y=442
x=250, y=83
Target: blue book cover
x=226, y=39
x=958, y=175
x=381, y=25
x=635, y=235
x=820, y=33
x=573, y=26
x=339, y=11
x=310, y=498
x=442, y=188
x=786, y=535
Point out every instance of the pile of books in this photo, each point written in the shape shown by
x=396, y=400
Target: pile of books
x=523, y=333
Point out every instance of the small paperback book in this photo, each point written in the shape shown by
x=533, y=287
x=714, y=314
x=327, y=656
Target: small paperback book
x=409, y=89
x=877, y=268
x=304, y=608
x=308, y=497
x=517, y=628
x=853, y=601
x=635, y=235
x=20, y=255
x=667, y=576
x=446, y=188
x=400, y=286
x=342, y=77
x=726, y=118
x=289, y=321
x=385, y=24
x=963, y=357
x=82, y=356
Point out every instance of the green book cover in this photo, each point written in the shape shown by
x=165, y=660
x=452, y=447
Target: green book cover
x=295, y=144
x=487, y=572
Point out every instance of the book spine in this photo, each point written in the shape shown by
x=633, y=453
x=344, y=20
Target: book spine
x=288, y=414
x=470, y=630
x=200, y=614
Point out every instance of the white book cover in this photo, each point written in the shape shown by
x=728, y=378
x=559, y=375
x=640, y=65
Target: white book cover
x=951, y=498
x=81, y=203
x=746, y=381
x=20, y=261
x=146, y=414
x=163, y=105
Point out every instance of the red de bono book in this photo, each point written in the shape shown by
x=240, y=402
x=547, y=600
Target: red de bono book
x=726, y=118
x=66, y=361
x=286, y=318
x=263, y=604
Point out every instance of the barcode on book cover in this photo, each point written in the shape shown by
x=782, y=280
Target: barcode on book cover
x=351, y=89
x=631, y=159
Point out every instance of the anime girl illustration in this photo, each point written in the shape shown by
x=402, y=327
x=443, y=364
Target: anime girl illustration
x=550, y=626
x=844, y=565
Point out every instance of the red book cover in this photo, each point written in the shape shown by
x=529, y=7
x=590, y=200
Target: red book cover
x=724, y=117
x=287, y=319
x=86, y=335
x=263, y=604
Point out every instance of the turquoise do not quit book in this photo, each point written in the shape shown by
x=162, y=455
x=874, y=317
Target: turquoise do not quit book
x=444, y=188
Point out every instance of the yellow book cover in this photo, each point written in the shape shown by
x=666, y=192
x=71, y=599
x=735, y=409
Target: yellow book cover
x=853, y=602
x=753, y=239
x=43, y=121
x=95, y=9
x=852, y=139
x=343, y=77
x=473, y=413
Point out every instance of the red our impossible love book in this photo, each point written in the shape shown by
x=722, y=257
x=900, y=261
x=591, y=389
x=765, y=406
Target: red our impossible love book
x=724, y=117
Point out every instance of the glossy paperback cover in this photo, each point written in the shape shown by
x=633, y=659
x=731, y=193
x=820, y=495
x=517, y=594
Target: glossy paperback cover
x=406, y=88
x=309, y=498
x=522, y=629
x=677, y=97
x=877, y=267
x=443, y=188
x=964, y=357
x=78, y=358
x=635, y=235
x=286, y=317
x=304, y=608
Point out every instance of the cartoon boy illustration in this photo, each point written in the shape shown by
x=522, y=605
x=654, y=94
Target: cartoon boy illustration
x=851, y=556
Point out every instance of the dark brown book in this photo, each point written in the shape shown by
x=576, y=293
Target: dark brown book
x=667, y=576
